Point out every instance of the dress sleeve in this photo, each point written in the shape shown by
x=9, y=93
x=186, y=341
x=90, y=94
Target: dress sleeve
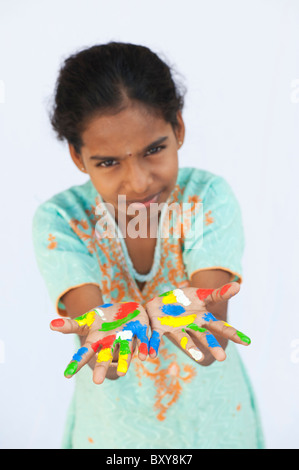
x=220, y=243
x=62, y=257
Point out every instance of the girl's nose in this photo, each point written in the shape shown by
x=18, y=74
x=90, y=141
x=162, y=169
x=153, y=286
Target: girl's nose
x=138, y=180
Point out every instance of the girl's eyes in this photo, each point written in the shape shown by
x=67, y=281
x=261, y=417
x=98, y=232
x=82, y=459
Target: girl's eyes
x=149, y=152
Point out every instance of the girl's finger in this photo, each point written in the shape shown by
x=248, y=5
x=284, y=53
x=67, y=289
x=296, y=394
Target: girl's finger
x=67, y=326
x=105, y=356
x=79, y=359
x=214, y=296
x=102, y=365
x=208, y=341
x=187, y=344
x=142, y=349
x=125, y=352
x=141, y=334
x=79, y=325
x=222, y=328
x=154, y=343
x=139, y=330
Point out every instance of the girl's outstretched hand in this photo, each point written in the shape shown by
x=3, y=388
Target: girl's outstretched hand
x=181, y=314
x=109, y=328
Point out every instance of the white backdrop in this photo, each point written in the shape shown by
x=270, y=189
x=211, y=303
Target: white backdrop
x=240, y=62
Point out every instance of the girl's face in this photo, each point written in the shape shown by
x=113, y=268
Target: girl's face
x=133, y=154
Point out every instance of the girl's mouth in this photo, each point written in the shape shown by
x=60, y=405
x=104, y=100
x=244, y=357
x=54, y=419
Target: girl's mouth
x=145, y=202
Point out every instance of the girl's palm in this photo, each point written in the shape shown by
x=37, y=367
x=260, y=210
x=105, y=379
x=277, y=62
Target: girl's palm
x=182, y=314
x=109, y=329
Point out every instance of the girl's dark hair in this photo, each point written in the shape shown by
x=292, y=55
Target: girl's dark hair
x=102, y=79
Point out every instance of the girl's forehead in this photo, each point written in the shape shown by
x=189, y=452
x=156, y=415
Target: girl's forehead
x=132, y=124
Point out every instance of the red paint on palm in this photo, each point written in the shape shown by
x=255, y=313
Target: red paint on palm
x=105, y=343
x=125, y=309
x=203, y=293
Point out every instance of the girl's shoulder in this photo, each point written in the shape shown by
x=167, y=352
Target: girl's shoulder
x=69, y=202
x=195, y=181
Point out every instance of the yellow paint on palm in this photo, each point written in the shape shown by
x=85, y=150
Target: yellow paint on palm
x=86, y=319
x=227, y=324
x=175, y=296
x=105, y=355
x=184, y=342
x=177, y=321
x=169, y=298
x=123, y=363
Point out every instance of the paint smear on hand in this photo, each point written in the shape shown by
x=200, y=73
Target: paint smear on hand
x=204, y=293
x=71, y=368
x=101, y=314
x=123, y=363
x=125, y=309
x=212, y=341
x=224, y=289
x=117, y=323
x=105, y=355
x=173, y=310
x=79, y=354
x=195, y=327
x=143, y=349
x=184, y=342
x=139, y=330
x=124, y=346
x=241, y=335
x=125, y=334
x=175, y=296
x=57, y=323
x=86, y=319
x=168, y=297
x=196, y=354
x=177, y=322
x=106, y=342
x=209, y=317
x=154, y=342
x=182, y=297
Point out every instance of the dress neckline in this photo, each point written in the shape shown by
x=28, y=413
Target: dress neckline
x=134, y=275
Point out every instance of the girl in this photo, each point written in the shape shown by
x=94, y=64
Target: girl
x=120, y=111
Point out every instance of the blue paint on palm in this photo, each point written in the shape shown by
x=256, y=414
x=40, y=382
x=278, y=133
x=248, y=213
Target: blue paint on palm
x=138, y=330
x=209, y=317
x=173, y=310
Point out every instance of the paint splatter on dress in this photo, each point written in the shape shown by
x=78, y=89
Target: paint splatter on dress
x=169, y=402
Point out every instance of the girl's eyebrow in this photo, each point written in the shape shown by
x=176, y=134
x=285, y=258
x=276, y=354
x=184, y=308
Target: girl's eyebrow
x=148, y=147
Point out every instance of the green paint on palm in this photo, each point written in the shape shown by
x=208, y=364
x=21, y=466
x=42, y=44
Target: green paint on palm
x=81, y=318
x=193, y=326
x=115, y=324
x=71, y=368
x=243, y=337
x=166, y=293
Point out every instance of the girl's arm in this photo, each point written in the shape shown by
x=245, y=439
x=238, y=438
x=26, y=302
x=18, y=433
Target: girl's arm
x=82, y=299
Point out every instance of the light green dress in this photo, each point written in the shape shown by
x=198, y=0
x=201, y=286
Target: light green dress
x=169, y=402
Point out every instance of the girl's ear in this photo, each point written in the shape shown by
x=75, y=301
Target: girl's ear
x=180, y=130
x=77, y=159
